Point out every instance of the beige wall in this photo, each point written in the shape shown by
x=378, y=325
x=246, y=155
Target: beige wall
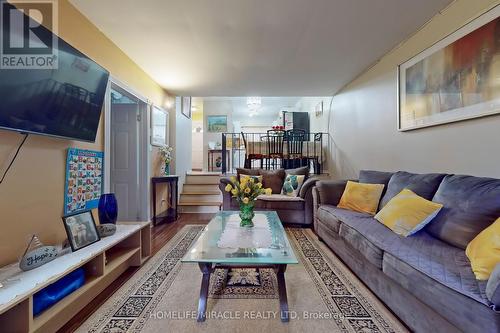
x=363, y=119
x=215, y=108
x=31, y=197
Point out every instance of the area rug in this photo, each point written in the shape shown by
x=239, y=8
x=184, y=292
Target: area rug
x=323, y=295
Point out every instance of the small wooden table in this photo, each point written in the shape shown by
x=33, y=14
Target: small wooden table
x=171, y=214
x=211, y=164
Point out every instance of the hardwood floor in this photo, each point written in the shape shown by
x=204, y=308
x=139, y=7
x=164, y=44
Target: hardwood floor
x=160, y=235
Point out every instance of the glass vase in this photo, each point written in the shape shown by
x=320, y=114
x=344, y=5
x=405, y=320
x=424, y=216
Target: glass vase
x=246, y=214
x=167, y=169
x=107, y=208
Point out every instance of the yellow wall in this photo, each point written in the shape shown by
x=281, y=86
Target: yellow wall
x=31, y=197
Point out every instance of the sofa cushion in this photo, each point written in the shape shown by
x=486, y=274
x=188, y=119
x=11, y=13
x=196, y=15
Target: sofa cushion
x=330, y=191
x=273, y=179
x=493, y=288
x=440, y=261
x=281, y=202
x=368, y=236
x=375, y=177
x=292, y=185
x=299, y=171
x=484, y=251
x=407, y=213
x=278, y=197
x=332, y=216
x=424, y=185
x=439, y=275
x=471, y=204
x=361, y=197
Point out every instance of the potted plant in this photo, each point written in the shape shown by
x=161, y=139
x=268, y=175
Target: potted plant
x=246, y=192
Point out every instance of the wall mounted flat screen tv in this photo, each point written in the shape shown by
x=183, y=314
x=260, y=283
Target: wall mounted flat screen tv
x=64, y=101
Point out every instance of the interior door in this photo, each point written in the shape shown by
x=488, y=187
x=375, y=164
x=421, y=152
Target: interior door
x=124, y=182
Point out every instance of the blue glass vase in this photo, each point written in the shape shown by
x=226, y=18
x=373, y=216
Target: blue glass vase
x=108, y=208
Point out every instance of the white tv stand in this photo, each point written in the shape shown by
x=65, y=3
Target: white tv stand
x=103, y=262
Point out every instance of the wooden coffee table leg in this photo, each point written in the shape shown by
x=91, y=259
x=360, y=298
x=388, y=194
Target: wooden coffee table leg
x=206, y=269
x=280, y=274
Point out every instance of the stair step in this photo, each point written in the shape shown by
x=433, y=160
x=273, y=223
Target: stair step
x=202, y=179
x=200, y=187
x=201, y=197
x=203, y=173
x=198, y=209
x=198, y=203
x=201, y=192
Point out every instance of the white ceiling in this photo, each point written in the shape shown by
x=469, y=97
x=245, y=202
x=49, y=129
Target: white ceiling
x=257, y=47
x=270, y=108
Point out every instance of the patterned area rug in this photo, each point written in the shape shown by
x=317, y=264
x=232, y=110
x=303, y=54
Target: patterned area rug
x=323, y=295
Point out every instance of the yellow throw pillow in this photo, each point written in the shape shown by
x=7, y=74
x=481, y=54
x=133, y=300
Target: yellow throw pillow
x=484, y=251
x=361, y=197
x=407, y=213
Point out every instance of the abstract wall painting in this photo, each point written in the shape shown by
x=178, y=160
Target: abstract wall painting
x=457, y=78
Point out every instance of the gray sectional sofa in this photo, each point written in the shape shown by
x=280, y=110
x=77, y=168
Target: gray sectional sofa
x=425, y=279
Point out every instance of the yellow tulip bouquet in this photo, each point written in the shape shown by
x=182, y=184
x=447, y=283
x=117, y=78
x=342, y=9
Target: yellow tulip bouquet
x=246, y=192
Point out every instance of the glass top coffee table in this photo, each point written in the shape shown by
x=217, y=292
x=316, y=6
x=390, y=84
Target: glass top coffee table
x=223, y=244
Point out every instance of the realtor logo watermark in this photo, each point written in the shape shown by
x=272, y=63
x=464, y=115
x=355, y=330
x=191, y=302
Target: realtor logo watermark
x=28, y=34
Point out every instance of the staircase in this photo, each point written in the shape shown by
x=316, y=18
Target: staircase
x=200, y=193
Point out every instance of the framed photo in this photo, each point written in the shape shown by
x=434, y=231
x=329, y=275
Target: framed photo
x=159, y=127
x=81, y=229
x=217, y=124
x=455, y=79
x=186, y=106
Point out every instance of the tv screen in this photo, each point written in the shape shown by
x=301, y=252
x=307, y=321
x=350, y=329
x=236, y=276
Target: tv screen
x=64, y=102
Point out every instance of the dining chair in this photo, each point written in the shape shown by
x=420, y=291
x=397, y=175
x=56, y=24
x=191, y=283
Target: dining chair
x=250, y=156
x=294, y=157
x=316, y=156
x=275, y=140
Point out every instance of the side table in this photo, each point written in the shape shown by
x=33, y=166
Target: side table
x=171, y=214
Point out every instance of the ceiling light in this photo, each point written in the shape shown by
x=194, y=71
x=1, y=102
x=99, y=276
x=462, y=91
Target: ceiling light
x=254, y=103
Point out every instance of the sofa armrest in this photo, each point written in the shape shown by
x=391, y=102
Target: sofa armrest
x=307, y=186
x=226, y=196
x=493, y=288
x=330, y=191
x=223, y=182
x=306, y=194
x=315, y=206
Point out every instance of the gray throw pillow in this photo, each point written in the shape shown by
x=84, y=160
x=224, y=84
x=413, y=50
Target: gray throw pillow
x=273, y=179
x=243, y=171
x=299, y=171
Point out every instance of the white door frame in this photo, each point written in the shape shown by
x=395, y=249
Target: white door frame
x=144, y=146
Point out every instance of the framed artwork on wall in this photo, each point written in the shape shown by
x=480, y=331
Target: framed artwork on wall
x=457, y=78
x=186, y=106
x=159, y=127
x=216, y=124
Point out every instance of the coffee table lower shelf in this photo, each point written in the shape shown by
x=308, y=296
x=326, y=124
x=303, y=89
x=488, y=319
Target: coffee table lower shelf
x=207, y=268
